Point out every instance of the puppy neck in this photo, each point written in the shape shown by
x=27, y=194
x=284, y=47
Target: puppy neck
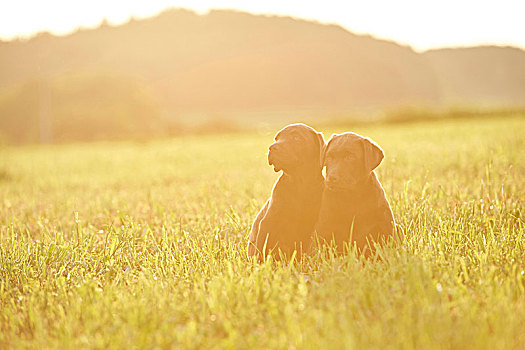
x=305, y=176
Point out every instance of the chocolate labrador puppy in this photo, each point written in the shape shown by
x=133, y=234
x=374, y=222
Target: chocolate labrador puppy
x=354, y=205
x=287, y=220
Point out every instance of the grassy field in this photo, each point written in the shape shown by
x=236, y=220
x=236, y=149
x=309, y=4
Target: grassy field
x=142, y=245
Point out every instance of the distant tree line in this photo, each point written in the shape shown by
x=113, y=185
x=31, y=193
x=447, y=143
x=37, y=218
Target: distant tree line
x=88, y=106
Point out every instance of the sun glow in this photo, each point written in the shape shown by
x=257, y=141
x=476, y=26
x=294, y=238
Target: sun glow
x=420, y=24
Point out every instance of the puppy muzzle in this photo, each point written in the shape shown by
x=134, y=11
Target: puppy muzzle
x=272, y=160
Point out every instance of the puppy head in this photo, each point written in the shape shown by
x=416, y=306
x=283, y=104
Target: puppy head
x=297, y=147
x=349, y=159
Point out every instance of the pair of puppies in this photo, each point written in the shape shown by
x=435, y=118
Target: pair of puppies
x=350, y=207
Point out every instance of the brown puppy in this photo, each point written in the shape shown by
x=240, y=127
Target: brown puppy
x=354, y=203
x=287, y=220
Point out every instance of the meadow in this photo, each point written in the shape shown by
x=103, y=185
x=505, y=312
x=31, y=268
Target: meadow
x=143, y=245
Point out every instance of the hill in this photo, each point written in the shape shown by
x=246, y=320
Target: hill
x=486, y=74
x=230, y=60
x=228, y=63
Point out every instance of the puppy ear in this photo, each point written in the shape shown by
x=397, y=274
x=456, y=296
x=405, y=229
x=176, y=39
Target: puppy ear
x=322, y=148
x=373, y=154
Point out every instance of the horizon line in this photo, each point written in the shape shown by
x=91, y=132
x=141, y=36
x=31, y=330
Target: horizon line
x=133, y=17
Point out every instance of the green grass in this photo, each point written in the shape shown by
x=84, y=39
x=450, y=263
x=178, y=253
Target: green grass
x=142, y=245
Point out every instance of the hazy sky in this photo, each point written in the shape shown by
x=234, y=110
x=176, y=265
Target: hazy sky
x=419, y=23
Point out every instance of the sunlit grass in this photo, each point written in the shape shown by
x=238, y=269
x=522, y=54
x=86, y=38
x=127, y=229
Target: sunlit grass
x=142, y=245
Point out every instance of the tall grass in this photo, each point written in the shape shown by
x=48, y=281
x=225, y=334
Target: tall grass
x=142, y=245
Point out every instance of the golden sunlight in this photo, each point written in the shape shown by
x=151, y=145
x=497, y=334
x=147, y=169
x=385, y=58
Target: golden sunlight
x=420, y=24
x=274, y=174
